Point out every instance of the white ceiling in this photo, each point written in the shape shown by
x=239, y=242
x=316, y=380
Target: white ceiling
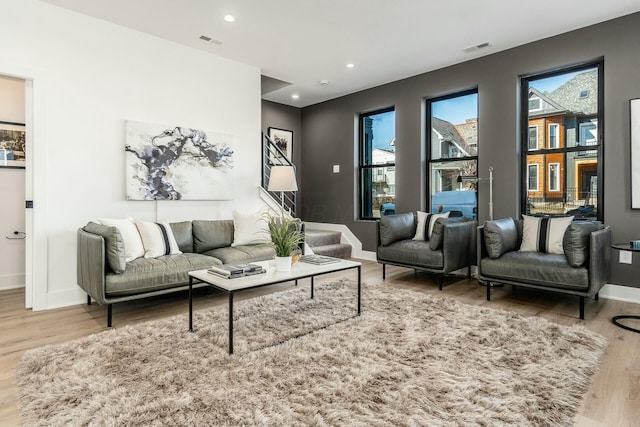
x=305, y=41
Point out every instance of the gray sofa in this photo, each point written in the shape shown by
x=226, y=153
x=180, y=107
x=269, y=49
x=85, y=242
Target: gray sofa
x=203, y=243
x=582, y=269
x=450, y=247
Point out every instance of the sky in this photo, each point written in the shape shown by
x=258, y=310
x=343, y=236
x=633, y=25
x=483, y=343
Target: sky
x=384, y=129
x=456, y=110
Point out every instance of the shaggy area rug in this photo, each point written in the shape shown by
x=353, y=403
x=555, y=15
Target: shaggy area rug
x=410, y=359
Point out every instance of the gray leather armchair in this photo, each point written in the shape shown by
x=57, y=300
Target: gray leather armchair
x=450, y=247
x=582, y=270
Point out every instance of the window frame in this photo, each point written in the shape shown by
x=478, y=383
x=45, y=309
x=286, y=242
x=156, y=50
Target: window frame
x=524, y=129
x=428, y=141
x=365, y=166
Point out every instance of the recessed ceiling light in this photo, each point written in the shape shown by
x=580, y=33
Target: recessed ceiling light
x=350, y=65
x=229, y=18
x=324, y=82
x=295, y=96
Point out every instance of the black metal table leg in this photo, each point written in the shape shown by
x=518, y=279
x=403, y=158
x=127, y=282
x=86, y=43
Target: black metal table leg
x=190, y=304
x=230, y=322
x=628, y=328
x=311, y=287
x=359, y=287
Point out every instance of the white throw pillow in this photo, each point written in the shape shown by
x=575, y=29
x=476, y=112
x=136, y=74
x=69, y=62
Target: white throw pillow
x=426, y=221
x=544, y=234
x=250, y=229
x=133, y=247
x=157, y=239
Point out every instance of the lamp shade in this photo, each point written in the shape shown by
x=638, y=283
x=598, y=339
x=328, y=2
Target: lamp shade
x=282, y=178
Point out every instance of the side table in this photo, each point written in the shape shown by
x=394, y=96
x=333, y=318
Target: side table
x=625, y=247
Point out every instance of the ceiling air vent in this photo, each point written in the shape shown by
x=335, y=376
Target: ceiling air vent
x=476, y=47
x=205, y=38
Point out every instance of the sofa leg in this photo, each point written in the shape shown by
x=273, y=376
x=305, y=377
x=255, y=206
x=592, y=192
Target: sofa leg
x=488, y=291
x=440, y=282
x=109, y=313
x=597, y=297
x=384, y=271
x=88, y=299
x=581, y=308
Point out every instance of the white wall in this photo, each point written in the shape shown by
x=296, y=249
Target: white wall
x=11, y=192
x=91, y=76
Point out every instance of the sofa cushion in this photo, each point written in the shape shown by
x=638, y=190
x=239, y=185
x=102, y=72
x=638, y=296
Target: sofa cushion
x=242, y=253
x=250, y=229
x=500, y=236
x=437, y=235
x=411, y=252
x=397, y=227
x=113, y=245
x=209, y=235
x=133, y=247
x=576, y=241
x=550, y=270
x=544, y=234
x=183, y=232
x=154, y=274
x=157, y=239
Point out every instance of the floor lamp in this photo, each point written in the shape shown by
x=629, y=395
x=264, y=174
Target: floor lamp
x=476, y=179
x=282, y=178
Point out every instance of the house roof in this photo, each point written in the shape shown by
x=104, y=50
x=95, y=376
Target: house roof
x=566, y=98
x=449, y=133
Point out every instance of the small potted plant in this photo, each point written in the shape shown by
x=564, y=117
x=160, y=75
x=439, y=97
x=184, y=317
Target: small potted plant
x=286, y=236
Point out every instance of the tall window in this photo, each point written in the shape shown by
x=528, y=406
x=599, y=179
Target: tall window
x=570, y=103
x=377, y=163
x=532, y=177
x=554, y=176
x=553, y=136
x=452, y=138
x=533, y=137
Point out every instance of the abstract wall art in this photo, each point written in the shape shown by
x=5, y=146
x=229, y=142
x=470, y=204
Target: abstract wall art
x=177, y=163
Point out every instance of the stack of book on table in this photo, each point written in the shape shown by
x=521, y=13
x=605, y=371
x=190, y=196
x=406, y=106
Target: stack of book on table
x=318, y=259
x=231, y=271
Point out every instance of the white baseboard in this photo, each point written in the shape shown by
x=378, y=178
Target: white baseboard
x=11, y=281
x=620, y=293
x=66, y=298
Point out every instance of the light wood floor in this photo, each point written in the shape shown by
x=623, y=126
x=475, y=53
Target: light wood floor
x=612, y=400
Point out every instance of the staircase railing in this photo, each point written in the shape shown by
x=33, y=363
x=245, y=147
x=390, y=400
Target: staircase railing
x=274, y=156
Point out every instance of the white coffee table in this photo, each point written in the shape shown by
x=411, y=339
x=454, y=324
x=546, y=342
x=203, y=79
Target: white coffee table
x=299, y=270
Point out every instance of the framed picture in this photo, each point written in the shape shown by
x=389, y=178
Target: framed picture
x=284, y=141
x=12, y=145
x=634, y=107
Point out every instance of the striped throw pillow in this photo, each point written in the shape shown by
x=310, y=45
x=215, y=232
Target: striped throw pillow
x=544, y=234
x=157, y=239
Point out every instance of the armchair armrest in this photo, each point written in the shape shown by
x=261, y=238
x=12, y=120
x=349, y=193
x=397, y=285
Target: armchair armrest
x=459, y=242
x=91, y=265
x=599, y=259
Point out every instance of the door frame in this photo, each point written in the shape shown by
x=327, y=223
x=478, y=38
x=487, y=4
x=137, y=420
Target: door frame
x=36, y=242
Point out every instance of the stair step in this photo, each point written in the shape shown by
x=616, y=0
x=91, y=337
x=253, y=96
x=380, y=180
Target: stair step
x=337, y=250
x=322, y=237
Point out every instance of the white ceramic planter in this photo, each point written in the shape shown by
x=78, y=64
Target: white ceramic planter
x=283, y=263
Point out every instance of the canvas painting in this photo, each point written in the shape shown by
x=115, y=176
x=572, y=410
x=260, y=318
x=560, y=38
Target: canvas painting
x=634, y=107
x=12, y=145
x=177, y=163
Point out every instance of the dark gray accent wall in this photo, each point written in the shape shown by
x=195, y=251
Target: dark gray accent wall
x=330, y=132
x=290, y=118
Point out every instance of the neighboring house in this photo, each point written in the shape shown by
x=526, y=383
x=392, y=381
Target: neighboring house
x=565, y=117
x=384, y=179
x=448, y=143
